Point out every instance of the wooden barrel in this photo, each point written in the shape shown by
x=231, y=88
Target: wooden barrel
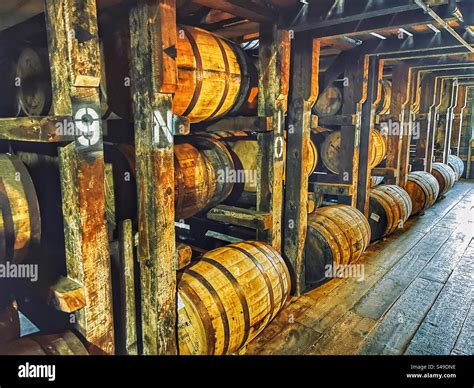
x=34, y=91
x=329, y=103
x=215, y=77
x=226, y=298
x=445, y=176
x=202, y=176
x=337, y=235
x=9, y=106
x=246, y=150
x=20, y=223
x=457, y=165
x=384, y=105
x=423, y=189
x=331, y=146
x=64, y=344
x=390, y=207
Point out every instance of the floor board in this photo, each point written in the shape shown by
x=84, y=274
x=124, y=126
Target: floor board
x=415, y=296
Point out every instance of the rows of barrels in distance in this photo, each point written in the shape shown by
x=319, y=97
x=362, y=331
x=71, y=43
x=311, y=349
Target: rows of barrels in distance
x=330, y=103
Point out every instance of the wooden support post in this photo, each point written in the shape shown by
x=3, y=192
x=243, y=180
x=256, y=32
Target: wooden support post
x=398, y=145
x=274, y=63
x=450, y=120
x=422, y=158
x=369, y=107
x=441, y=118
x=468, y=136
x=154, y=77
x=304, y=79
x=432, y=122
x=74, y=55
x=458, y=119
x=355, y=93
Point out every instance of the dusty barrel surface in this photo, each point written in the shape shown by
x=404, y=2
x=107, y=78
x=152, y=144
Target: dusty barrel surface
x=329, y=102
x=445, y=176
x=331, y=150
x=63, y=344
x=34, y=92
x=390, y=207
x=337, y=235
x=228, y=296
x=423, y=189
x=386, y=98
x=20, y=222
x=200, y=166
x=457, y=165
x=215, y=77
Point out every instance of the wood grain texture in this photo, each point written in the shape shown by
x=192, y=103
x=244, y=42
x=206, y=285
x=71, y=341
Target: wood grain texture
x=228, y=296
x=423, y=189
x=445, y=176
x=150, y=26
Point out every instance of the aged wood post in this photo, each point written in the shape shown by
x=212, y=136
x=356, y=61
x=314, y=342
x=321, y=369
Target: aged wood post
x=458, y=119
x=369, y=107
x=304, y=79
x=355, y=94
x=422, y=159
x=75, y=65
x=274, y=64
x=450, y=120
x=398, y=144
x=432, y=122
x=154, y=77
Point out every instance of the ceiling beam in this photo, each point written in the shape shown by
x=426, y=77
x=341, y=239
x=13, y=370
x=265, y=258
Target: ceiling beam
x=244, y=9
x=317, y=17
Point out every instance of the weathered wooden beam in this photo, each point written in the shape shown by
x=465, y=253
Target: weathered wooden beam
x=459, y=115
x=241, y=217
x=368, y=112
x=66, y=295
x=335, y=188
x=422, y=158
x=355, y=94
x=244, y=9
x=274, y=63
x=53, y=129
x=154, y=77
x=304, y=80
x=399, y=125
x=185, y=254
x=128, y=286
x=450, y=121
x=385, y=172
x=240, y=123
x=75, y=67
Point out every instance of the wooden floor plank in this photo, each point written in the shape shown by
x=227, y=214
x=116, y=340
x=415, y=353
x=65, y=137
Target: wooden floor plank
x=294, y=339
x=465, y=341
x=345, y=337
x=440, y=329
x=443, y=263
x=385, y=292
x=395, y=330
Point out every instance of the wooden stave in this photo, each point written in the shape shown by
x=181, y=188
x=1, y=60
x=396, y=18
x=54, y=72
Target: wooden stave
x=332, y=143
x=21, y=224
x=457, y=165
x=240, y=83
x=63, y=344
x=423, y=189
x=322, y=108
x=330, y=242
x=390, y=207
x=445, y=176
x=233, y=328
